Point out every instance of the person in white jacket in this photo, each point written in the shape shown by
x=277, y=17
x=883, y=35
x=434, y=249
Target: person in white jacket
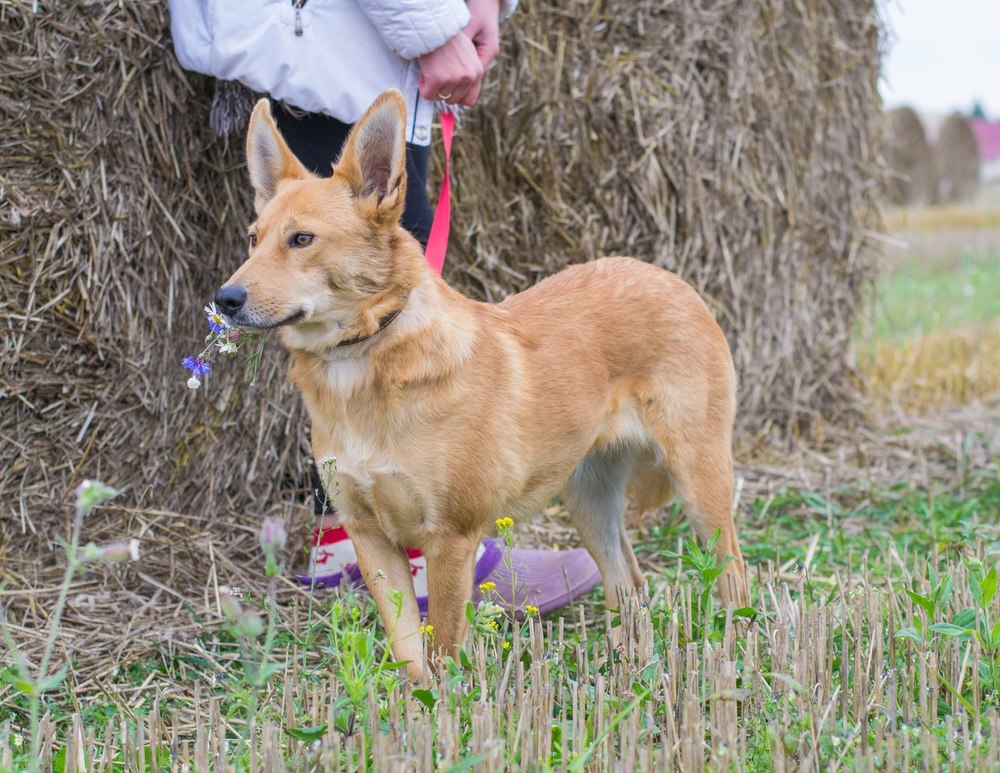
x=323, y=62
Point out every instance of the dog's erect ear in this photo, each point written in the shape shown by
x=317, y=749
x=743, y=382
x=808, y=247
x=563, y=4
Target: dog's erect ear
x=268, y=157
x=374, y=159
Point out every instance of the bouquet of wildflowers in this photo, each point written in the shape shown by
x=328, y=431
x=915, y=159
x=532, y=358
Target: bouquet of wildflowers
x=223, y=338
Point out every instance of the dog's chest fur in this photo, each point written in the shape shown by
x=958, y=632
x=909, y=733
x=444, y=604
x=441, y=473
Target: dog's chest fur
x=365, y=457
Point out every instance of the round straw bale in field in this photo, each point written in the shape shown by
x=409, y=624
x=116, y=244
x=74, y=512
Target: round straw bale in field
x=956, y=157
x=734, y=143
x=909, y=157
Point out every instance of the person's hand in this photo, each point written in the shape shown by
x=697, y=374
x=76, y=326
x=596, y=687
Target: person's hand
x=453, y=72
x=483, y=29
x=448, y=73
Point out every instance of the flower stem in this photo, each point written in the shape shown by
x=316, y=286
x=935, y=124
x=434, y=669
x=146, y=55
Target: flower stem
x=35, y=703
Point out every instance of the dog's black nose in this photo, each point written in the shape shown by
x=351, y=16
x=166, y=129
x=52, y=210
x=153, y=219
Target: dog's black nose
x=230, y=299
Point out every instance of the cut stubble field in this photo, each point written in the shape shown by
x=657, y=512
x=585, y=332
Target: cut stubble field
x=873, y=641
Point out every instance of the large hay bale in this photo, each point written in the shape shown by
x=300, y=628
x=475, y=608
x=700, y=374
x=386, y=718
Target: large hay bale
x=732, y=142
x=956, y=158
x=735, y=143
x=910, y=159
x=121, y=212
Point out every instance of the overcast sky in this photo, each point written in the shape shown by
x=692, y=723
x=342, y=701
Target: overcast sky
x=944, y=55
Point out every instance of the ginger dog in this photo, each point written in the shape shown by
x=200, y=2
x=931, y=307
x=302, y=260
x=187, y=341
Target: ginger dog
x=607, y=382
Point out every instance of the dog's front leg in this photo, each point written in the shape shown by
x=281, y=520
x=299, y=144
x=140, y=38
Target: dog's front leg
x=386, y=569
x=450, y=572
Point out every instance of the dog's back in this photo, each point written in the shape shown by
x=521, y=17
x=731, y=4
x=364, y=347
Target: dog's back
x=636, y=317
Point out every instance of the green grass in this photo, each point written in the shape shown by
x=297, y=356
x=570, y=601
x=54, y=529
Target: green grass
x=848, y=526
x=922, y=296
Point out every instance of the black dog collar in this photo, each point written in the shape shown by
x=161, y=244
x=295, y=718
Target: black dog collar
x=382, y=325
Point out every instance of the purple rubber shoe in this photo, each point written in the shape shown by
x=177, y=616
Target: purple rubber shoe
x=546, y=579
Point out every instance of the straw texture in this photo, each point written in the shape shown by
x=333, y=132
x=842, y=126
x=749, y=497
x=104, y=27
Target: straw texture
x=733, y=142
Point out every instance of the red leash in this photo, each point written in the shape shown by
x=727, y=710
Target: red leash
x=437, y=242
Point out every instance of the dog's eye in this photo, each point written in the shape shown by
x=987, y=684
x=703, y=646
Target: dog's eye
x=252, y=240
x=301, y=239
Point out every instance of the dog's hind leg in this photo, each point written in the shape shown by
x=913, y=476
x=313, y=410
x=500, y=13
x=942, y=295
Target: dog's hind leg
x=650, y=487
x=595, y=496
x=386, y=569
x=701, y=469
x=705, y=483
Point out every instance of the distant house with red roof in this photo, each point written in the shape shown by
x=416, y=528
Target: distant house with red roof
x=988, y=137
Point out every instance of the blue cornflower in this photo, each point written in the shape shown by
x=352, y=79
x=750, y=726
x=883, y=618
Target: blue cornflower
x=216, y=322
x=196, y=366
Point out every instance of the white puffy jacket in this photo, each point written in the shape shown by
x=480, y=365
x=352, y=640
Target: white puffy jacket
x=324, y=56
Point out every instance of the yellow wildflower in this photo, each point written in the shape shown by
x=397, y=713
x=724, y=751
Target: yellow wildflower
x=426, y=630
x=531, y=609
x=504, y=523
x=487, y=586
x=494, y=625
x=506, y=645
